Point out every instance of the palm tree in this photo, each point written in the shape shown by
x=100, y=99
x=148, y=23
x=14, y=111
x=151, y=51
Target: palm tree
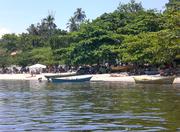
x=72, y=25
x=49, y=22
x=79, y=15
x=33, y=30
x=47, y=25
x=75, y=21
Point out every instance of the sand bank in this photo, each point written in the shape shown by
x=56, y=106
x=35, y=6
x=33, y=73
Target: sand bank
x=20, y=77
x=108, y=77
x=97, y=77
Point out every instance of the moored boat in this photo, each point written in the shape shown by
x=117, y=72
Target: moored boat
x=71, y=79
x=58, y=75
x=154, y=79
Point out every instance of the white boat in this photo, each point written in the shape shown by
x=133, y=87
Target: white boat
x=71, y=79
x=154, y=79
x=58, y=75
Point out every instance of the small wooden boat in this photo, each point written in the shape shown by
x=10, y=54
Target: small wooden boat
x=154, y=79
x=60, y=75
x=72, y=79
x=121, y=68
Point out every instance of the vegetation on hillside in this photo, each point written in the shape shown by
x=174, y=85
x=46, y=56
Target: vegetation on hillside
x=130, y=34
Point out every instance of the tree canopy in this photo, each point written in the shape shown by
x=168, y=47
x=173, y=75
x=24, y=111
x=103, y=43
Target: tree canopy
x=130, y=34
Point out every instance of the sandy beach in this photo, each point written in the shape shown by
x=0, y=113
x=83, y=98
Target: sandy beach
x=96, y=77
x=20, y=77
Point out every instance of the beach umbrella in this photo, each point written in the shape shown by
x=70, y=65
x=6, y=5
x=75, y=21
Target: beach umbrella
x=37, y=66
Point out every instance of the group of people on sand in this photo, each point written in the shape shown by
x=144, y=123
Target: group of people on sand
x=15, y=70
x=21, y=70
x=94, y=69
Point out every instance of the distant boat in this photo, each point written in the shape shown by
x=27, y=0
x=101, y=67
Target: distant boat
x=57, y=75
x=154, y=79
x=71, y=79
x=121, y=68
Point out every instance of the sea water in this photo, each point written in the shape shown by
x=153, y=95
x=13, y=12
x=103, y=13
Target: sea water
x=97, y=106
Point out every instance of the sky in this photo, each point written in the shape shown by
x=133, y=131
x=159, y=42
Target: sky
x=17, y=15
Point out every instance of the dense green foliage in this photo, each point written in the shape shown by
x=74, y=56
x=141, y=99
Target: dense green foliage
x=130, y=34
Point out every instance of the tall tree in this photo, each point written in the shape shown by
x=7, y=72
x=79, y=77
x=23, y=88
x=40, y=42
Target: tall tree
x=172, y=14
x=49, y=22
x=79, y=15
x=173, y=5
x=131, y=7
x=10, y=42
x=72, y=25
x=33, y=30
x=75, y=21
x=48, y=25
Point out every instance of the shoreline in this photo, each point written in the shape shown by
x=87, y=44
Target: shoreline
x=95, y=78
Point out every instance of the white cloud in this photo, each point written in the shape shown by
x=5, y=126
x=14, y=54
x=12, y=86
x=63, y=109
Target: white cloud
x=3, y=31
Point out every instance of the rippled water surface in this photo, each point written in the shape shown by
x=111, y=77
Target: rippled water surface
x=34, y=106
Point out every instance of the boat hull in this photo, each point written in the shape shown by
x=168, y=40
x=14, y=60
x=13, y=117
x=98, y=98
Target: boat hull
x=59, y=75
x=62, y=80
x=154, y=80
